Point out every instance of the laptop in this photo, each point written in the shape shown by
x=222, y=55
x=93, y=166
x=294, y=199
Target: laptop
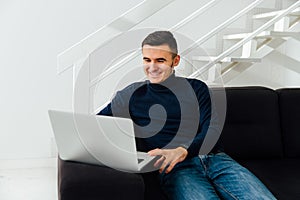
x=99, y=140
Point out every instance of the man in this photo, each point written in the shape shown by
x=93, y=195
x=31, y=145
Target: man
x=172, y=117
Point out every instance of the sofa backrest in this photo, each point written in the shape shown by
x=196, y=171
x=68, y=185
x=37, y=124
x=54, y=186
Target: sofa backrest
x=289, y=105
x=252, y=125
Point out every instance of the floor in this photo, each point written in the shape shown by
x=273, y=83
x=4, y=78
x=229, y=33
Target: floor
x=20, y=180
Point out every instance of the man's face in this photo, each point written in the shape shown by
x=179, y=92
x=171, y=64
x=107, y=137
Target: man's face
x=158, y=62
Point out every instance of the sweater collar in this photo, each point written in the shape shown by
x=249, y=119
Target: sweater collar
x=163, y=86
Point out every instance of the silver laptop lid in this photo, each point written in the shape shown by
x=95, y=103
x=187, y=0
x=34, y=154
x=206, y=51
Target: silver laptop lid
x=95, y=139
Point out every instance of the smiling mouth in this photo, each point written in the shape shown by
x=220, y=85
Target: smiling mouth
x=154, y=74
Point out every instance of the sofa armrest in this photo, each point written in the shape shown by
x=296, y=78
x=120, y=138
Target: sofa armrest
x=90, y=182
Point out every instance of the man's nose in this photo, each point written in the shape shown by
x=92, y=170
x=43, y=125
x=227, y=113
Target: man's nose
x=153, y=66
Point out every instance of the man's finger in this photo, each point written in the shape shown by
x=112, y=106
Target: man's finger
x=155, y=152
x=171, y=166
x=164, y=165
x=157, y=163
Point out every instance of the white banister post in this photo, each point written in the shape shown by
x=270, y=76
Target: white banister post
x=81, y=90
x=283, y=24
x=214, y=72
x=248, y=48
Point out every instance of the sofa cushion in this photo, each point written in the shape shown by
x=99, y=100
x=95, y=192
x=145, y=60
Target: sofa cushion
x=252, y=126
x=152, y=186
x=92, y=182
x=281, y=176
x=289, y=101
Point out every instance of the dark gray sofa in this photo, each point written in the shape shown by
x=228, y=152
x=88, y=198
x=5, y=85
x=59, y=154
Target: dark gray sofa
x=261, y=131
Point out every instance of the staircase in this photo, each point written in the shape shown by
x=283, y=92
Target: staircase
x=255, y=45
x=265, y=42
x=215, y=66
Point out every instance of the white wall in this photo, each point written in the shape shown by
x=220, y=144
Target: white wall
x=32, y=33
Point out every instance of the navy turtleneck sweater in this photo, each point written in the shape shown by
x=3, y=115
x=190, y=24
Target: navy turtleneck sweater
x=176, y=112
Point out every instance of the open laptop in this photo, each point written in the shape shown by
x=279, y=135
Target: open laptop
x=100, y=140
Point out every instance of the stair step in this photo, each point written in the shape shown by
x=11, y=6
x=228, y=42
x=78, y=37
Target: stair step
x=264, y=34
x=226, y=59
x=267, y=15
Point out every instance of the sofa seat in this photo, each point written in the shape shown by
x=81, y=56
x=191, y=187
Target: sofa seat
x=278, y=175
x=93, y=182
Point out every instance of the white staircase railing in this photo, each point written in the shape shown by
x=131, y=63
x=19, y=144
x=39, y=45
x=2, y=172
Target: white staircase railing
x=252, y=35
x=221, y=26
x=125, y=22
x=195, y=14
x=134, y=54
x=179, y=25
x=73, y=55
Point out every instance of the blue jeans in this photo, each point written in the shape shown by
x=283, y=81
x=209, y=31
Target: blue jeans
x=212, y=176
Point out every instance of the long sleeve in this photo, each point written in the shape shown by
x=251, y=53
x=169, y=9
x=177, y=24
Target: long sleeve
x=106, y=111
x=207, y=121
x=119, y=106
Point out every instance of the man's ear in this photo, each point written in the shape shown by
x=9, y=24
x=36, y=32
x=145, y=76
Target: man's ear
x=176, y=60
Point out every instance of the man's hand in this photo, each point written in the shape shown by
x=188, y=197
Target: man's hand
x=168, y=157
